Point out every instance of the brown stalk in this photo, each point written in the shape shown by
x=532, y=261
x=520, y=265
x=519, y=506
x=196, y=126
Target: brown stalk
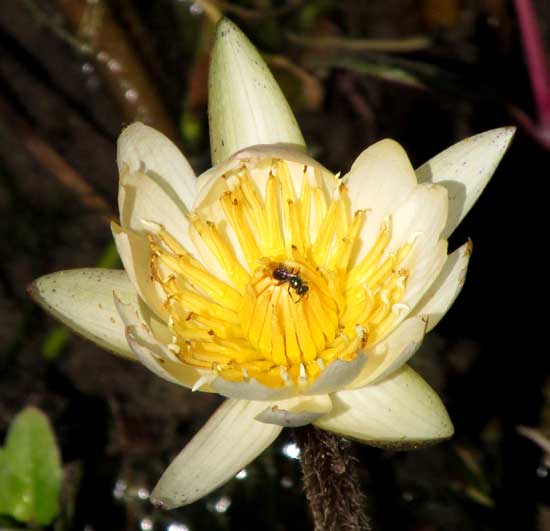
x=331, y=482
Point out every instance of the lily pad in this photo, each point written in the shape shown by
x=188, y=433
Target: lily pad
x=30, y=470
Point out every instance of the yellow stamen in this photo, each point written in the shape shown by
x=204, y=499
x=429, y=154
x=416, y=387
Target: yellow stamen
x=293, y=303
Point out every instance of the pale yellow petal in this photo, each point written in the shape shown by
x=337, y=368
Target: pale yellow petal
x=142, y=148
x=252, y=390
x=391, y=353
x=420, y=219
x=230, y=440
x=337, y=375
x=380, y=180
x=444, y=291
x=143, y=199
x=400, y=412
x=297, y=411
x=419, y=222
x=135, y=253
x=424, y=268
x=153, y=353
x=210, y=186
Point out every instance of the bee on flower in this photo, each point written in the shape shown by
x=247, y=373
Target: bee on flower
x=297, y=294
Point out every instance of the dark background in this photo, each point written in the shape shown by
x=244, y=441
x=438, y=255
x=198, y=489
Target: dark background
x=72, y=73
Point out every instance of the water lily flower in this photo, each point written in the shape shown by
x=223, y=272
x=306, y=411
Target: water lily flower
x=295, y=293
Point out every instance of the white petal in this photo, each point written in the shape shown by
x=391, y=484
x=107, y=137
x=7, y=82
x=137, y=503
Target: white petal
x=297, y=411
x=444, y=291
x=135, y=253
x=245, y=105
x=251, y=390
x=337, y=375
x=142, y=148
x=420, y=218
x=230, y=440
x=392, y=353
x=82, y=299
x=380, y=179
x=424, y=269
x=142, y=198
x=210, y=186
x=402, y=411
x=465, y=169
x=153, y=353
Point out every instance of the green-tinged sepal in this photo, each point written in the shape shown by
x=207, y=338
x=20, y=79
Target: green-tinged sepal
x=399, y=412
x=465, y=169
x=245, y=104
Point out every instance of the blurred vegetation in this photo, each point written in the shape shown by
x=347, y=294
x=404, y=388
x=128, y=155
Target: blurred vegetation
x=426, y=72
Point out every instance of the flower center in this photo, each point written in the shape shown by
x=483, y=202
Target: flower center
x=274, y=297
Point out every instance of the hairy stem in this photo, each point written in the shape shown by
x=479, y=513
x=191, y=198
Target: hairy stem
x=331, y=481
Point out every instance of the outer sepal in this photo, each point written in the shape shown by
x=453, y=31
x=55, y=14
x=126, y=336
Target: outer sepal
x=82, y=299
x=245, y=104
x=230, y=440
x=465, y=169
x=400, y=412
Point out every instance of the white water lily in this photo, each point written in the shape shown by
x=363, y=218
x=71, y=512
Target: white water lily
x=296, y=294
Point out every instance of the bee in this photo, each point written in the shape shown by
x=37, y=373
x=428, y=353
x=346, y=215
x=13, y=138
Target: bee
x=283, y=274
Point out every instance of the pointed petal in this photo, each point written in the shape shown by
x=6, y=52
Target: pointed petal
x=135, y=253
x=400, y=412
x=148, y=342
x=420, y=220
x=210, y=185
x=82, y=299
x=251, y=390
x=230, y=440
x=337, y=375
x=142, y=198
x=245, y=105
x=392, y=353
x=297, y=411
x=465, y=169
x=380, y=179
x=444, y=291
x=424, y=269
x=142, y=148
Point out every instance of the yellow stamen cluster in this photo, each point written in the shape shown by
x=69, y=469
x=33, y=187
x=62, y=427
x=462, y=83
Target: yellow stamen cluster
x=251, y=321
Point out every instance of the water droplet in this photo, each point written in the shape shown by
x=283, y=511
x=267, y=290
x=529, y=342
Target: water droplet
x=114, y=66
x=177, y=527
x=196, y=9
x=242, y=474
x=87, y=68
x=286, y=482
x=131, y=95
x=221, y=505
x=103, y=57
x=291, y=450
x=142, y=493
x=119, y=489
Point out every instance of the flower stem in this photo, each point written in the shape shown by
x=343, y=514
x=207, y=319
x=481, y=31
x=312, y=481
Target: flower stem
x=331, y=481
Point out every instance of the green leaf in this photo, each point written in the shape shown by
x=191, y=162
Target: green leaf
x=30, y=470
